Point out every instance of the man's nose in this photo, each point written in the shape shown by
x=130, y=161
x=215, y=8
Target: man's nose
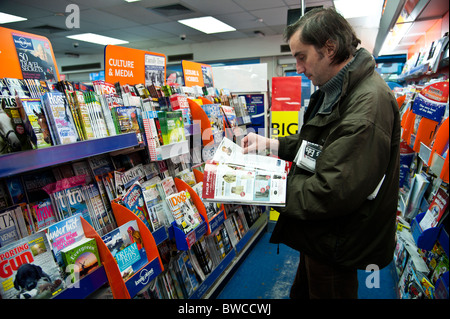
x=300, y=68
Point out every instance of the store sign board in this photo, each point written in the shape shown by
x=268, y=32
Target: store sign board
x=133, y=66
x=192, y=73
x=197, y=74
x=26, y=56
x=286, y=93
x=284, y=123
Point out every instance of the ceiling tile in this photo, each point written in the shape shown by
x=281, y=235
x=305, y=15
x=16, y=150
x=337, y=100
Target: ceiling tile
x=241, y=20
x=275, y=16
x=106, y=19
x=260, y=4
x=147, y=32
x=214, y=8
x=22, y=10
x=140, y=14
x=175, y=28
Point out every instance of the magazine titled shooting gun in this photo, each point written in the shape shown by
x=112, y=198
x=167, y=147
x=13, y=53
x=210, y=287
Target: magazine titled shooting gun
x=234, y=177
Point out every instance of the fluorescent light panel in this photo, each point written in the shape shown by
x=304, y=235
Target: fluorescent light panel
x=96, y=38
x=207, y=25
x=8, y=18
x=357, y=8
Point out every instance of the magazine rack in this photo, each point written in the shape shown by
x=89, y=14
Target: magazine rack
x=217, y=219
x=185, y=241
x=199, y=115
x=127, y=289
x=439, y=145
x=426, y=240
x=90, y=283
x=20, y=162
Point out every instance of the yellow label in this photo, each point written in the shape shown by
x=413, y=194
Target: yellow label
x=284, y=123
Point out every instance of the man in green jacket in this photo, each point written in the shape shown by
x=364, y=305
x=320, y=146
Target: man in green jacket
x=340, y=213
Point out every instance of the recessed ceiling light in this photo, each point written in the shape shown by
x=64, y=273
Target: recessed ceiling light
x=8, y=18
x=132, y=0
x=357, y=8
x=207, y=25
x=96, y=38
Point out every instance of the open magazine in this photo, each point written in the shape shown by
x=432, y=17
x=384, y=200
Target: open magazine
x=234, y=177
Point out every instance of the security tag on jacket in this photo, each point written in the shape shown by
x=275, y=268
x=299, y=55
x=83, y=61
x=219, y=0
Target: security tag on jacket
x=307, y=155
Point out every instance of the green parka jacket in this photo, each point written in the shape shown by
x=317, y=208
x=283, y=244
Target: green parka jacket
x=328, y=215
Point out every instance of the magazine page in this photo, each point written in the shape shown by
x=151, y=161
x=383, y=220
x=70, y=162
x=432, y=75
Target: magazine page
x=234, y=177
x=229, y=152
x=228, y=183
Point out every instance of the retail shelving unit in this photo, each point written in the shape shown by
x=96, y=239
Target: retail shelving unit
x=211, y=286
x=20, y=162
x=425, y=136
x=108, y=274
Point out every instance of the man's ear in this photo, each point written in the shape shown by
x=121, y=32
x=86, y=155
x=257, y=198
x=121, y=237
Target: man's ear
x=330, y=48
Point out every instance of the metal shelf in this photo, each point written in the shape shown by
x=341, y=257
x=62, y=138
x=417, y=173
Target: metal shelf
x=20, y=162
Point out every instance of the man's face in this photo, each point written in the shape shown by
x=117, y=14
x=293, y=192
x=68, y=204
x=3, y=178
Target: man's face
x=315, y=64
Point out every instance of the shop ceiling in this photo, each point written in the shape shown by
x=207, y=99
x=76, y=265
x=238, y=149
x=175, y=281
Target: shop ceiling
x=146, y=27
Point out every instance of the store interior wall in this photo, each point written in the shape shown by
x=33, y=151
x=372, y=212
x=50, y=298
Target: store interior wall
x=266, y=49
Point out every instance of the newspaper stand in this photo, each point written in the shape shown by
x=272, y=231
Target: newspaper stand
x=217, y=219
x=90, y=283
x=185, y=241
x=128, y=289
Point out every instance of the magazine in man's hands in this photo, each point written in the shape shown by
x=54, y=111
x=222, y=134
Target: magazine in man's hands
x=234, y=177
x=231, y=153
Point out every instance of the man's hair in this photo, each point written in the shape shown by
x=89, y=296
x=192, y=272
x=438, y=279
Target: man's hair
x=321, y=25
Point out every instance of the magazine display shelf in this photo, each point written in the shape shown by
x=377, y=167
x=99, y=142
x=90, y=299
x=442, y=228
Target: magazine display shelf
x=426, y=240
x=414, y=72
x=95, y=280
x=210, y=287
x=128, y=289
x=214, y=277
x=173, y=150
x=217, y=219
x=21, y=162
x=185, y=241
x=199, y=115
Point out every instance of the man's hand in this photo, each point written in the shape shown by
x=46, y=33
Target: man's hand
x=254, y=143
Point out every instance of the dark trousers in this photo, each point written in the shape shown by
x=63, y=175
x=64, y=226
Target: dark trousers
x=317, y=280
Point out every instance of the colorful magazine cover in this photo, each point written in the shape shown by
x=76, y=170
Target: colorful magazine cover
x=63, y=234
x=183, y=210
x=35, y=57
x=127, y=247
x=36, y=116
x=60, y=118
x=134, y=201
x=80, y=259
x=29, y=270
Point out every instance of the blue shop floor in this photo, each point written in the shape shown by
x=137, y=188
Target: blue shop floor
x=265, y=275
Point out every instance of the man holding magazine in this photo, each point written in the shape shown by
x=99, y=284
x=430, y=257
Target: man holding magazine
x=342, y=188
